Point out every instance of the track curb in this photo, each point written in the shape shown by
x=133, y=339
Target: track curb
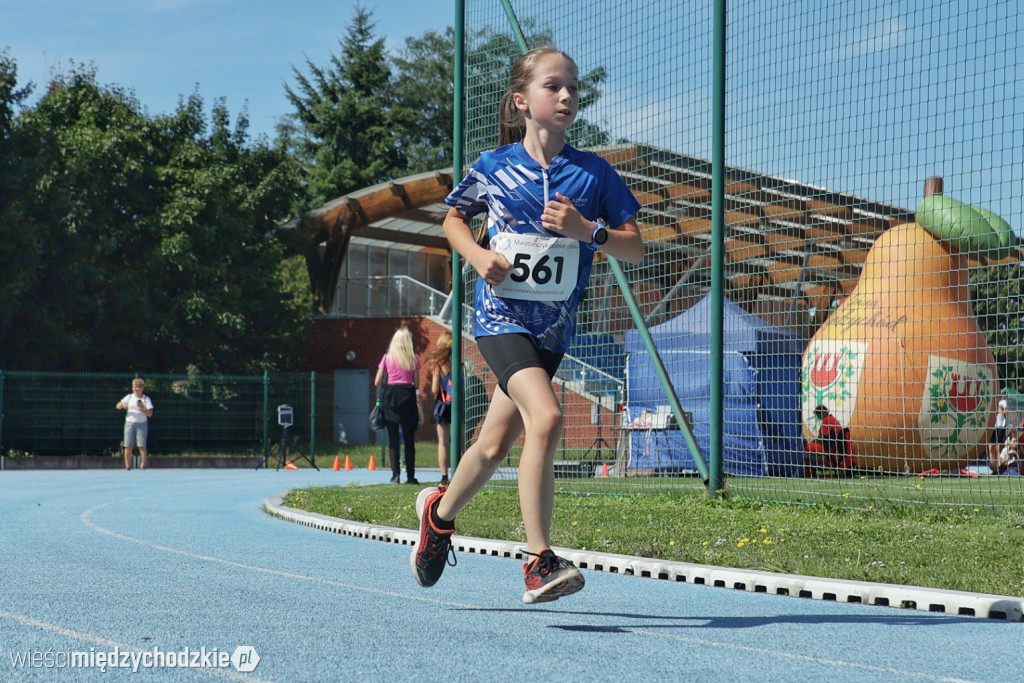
x=960, y=603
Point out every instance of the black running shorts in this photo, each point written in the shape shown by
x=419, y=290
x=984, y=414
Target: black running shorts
x=507, y=354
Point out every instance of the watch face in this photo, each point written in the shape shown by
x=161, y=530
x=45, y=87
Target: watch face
x=600, y=236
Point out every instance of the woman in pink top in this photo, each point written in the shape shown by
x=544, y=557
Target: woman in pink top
x=398, y=371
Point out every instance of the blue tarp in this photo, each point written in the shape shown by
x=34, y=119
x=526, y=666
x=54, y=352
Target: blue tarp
x=762, y=392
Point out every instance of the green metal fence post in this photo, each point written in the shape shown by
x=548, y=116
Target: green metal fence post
x=458, y=430
x=514, y=23
x=716, y=414
x=1, y=412
x=266, y=417
x=562, y=400
x=312, y=419
x=659, y=367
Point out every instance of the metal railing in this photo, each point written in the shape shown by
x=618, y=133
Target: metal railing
x=386, y=296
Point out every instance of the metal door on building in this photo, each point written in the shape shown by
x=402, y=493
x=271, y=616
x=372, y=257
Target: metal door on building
x=351, y=406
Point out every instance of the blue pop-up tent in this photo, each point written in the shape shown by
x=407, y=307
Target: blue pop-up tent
x=762, y=362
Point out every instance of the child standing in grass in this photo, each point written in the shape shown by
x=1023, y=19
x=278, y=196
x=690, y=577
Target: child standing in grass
x=543, y=201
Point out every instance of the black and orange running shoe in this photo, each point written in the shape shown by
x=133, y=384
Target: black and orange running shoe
x=432, y=549
x=549, y=577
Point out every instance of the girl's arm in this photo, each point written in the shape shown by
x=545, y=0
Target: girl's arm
x=435, y=382
x=379, y=377
x=624, y=242
x=491, y=266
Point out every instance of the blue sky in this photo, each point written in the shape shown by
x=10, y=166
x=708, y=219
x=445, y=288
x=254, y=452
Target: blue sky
x=865, y=97
x=240, y=50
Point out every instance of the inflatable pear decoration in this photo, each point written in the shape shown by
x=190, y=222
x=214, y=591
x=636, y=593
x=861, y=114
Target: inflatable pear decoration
x=902, y=362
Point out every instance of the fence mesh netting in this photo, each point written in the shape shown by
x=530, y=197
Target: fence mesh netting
x=72, y=414
x=872, y=320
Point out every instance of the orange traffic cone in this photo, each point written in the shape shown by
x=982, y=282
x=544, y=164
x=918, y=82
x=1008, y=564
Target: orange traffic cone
x=372, y=465
x=348, y=463
x=337, y=464
x=604, y=469
x=290, y=466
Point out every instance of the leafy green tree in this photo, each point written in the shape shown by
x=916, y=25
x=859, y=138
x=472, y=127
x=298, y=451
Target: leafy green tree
x=998, y=299
x=11, y=99
x=347, y=122
x=72, y=190
x=146, y=243
x=359, y=121
x=221, y=298
x=423, y=84
x=18, y=239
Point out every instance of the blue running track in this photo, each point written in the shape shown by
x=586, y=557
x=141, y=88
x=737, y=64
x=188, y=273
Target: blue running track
x=160, y=561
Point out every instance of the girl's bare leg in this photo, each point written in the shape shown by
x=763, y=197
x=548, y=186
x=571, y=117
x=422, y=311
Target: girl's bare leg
x=499, y=431
x=538, y=412
x=541, y=414
x=443, y=440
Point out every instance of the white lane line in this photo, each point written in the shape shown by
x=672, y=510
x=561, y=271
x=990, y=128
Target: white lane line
x=806, y=658
x=106, y=643
x=87, y=520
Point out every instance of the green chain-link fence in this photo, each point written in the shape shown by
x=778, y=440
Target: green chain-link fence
x=780, y=154
x=61, y=413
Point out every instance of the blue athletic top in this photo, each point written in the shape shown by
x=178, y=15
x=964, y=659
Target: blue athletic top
x=513, y=188
x=446, y=388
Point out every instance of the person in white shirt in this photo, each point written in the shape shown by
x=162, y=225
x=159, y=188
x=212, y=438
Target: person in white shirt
x=999, y=432
x=139, y=408
x=1007, y=456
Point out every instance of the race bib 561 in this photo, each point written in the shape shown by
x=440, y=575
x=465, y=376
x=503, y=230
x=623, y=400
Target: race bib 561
x=543, y=268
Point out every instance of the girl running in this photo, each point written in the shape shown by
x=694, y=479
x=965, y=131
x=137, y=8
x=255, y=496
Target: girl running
x=544, y=201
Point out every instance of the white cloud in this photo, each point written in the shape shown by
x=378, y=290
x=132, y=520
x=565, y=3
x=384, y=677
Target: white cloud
x=878, y=36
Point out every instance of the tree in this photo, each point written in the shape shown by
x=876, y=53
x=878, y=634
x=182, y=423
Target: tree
x=11, y=99
x=359, y=122
x=347, y=122
x=997, y=294
x=222, y=305
x=71, y=189
x=423, y=83
x=144, y=243
x=17, y=240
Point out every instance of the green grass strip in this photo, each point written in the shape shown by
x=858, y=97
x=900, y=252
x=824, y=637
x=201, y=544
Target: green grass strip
x=955, y=547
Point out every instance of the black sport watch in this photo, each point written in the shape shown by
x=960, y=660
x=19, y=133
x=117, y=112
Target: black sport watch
x=599, y=236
